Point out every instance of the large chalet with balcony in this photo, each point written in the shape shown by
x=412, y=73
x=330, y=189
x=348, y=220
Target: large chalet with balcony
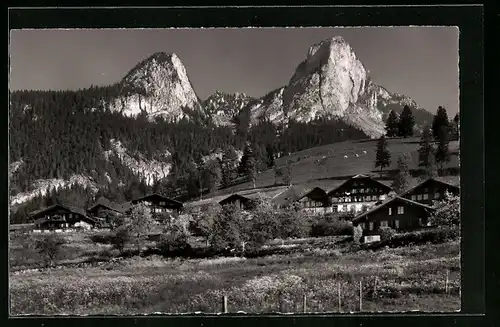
x=357, y=194
x=159, y=204
x=396, y=212
x=432, y=189
x=58, y=217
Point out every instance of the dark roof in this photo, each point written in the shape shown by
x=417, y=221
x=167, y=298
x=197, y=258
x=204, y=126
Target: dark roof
x=386, y=202
x=44, y=219
x=158, y=196
x=445, y=181
x=315, y=189
x=387, y=187
x=235, y=197
x=290, y=195
x=70, y=208
x=103, y=202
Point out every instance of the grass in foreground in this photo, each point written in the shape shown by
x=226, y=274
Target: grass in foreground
x=401, y=279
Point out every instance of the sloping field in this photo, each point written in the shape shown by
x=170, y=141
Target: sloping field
x=330, y=165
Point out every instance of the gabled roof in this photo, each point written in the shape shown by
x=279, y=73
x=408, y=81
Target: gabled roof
x=435, y=179
x=70, y=208
x=315, y=189
x=235, y=196
x=118, y=207
x=290, y=195
x=360, y=176
x=386, y=202
x=158, y=196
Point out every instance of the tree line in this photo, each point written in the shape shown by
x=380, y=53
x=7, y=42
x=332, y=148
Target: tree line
x=433, y=151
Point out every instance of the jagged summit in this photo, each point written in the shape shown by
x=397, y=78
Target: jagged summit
x=158, y=86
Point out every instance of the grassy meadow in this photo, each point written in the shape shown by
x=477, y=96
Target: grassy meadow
x=326, y=167
x=392, y=279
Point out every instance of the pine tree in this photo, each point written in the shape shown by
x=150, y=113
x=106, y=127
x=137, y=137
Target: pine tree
x=402, y=178
x=406, y=122
x=392, y=124
x=442, y=154
x=425, y=150
x=248, y=164
x=228, y=164
x=383, y=156
x=440, y=124
x=270, y=156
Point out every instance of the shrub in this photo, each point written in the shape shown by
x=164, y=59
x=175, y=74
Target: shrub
x=120, y=238
x=331, y=225
x=386, y=233
x=174, y=243
x=436, y=235
x=447, y=211
x=49, y=247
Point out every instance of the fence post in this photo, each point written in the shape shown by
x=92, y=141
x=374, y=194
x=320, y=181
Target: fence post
x=304, y=304
x=446, y=282
x=224, y=304
x=360, y=296
x=340, y=303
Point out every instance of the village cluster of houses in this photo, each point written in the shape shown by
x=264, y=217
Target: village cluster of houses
x=372, y=203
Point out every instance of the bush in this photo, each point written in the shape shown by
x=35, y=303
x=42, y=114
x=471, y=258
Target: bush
x=120, y=238
x=386, y=233
x=174, y=243
x=331, y=226
x=49, y=247
x=435, y=236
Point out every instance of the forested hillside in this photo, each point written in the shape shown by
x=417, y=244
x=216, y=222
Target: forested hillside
x=60, y=134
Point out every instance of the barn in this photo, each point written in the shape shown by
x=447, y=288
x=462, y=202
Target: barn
x=238, y=200
x=315, y=202
x=396, y=212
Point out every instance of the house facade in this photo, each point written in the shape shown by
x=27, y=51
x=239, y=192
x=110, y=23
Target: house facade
x=357, y=194
x=61, y=217
x=159, y=204
x=430, y=190
x=397, y=213
x=315, y=202
x=238, y=200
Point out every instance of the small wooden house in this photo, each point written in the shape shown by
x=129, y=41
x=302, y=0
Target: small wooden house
x=61, y=217
x=240, y=201
x=357, y=194
x=430, y=190
x=102, y=205
x=397, y=213
x=315, y=202
x=159, y=203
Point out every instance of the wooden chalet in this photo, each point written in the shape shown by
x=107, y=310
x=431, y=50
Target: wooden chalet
x=315, y=202
x=240, y=201
x=102, y=205
x=397, y=212
x=287, y=197
x=432, y=189
x=61, y=217
x=159, y=203
x=357, y=194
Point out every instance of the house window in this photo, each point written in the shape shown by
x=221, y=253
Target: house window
x=384, y=223
x=426, y=196
x=371, y=225
x=354, y=191
x=344, y=207
x=400, y=210
x=374, y=198
x=396, y=224
x=420, y=221
x=162, y=203
x=419, y=197
x=362, y=190
x=438, y=195
x=413, y=197
x=390, y=211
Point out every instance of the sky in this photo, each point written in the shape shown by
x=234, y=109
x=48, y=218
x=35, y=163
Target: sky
x=420, y=62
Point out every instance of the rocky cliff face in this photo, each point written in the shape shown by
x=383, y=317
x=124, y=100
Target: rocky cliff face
x=331, y=83
x=157, y=86
x=223, y=107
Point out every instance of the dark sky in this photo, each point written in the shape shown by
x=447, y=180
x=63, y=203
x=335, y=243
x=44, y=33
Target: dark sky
x=421, y=62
